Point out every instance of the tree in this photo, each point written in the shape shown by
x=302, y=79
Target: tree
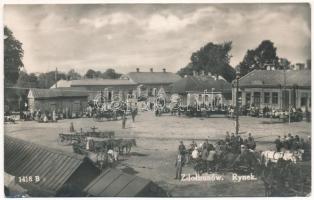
x=284, y=63
x=90, y=74
x=46, y=80
x=110, y=74
x=265, y=55
x=213, y=58
x=27, y=80
x=13, y=55
x=73, y=75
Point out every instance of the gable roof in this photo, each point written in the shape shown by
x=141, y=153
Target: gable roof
x=57, y=92
x=153, y=77
x=62, y=84
x=276, y=78
x=115, y=183
x=199, y=84
x=22, y=158
x=101, y=82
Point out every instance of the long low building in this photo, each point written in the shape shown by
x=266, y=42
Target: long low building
x=133, y=84
x=276, y=89
x=65, y=100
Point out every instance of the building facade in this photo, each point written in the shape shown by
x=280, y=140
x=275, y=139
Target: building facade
x=110, y=89
x=58, y=100
x=277, y=89
x=207, y=90
x=150, y=83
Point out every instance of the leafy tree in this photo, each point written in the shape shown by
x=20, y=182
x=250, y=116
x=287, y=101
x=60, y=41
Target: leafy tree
x=73, y=75
x=213, y=58
x=27, y=80
x=91, y=74
x=13, y=55
x=46, y=80
x=284, y=63
x=110, y=74
x=260, y=58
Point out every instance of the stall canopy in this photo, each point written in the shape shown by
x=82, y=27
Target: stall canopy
x=54, y=169
x=115, y=183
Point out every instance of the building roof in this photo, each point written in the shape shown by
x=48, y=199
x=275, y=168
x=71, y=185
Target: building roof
x=199, y=84
x=22, y=158
x=115, y=183
x=276, y=78
x=101, y=82
x=153, y=77
x=62, y=84
x=57, y=92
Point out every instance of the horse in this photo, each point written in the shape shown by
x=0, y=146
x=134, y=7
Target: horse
x=274, y=156
x=127, y=145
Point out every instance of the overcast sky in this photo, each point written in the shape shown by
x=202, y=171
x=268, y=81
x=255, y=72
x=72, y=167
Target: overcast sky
x=159, y=36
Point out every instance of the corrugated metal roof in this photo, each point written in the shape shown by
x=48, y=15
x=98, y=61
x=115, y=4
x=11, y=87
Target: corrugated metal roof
x=115, y=183
x=199, y=84
x=264, y=78
x=153, y=77
x=22, y=158
x=58, y=92
x=101, y=82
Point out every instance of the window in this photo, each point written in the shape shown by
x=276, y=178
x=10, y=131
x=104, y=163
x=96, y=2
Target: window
x=266, y=97
x=275, y=97
x=304, y=101
x=256, y=98
x=248, y=98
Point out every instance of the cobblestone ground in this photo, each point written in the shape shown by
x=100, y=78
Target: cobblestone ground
x=157, y=141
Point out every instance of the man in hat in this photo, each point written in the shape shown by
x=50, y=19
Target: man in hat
x=278, y=143
x=182, y=148
x=179, y=165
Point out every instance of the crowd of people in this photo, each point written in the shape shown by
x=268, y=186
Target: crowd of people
x=292, y=143
x=209, y=153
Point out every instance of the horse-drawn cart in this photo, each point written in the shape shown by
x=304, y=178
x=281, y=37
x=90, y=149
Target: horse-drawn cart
x=79, y=137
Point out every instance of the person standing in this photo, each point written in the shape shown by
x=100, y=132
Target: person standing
x=179, y=165
x=133, y=113
x=278, y=144
x=182, y=148
x=124, y=121
x=72, y=127
x=54, y=117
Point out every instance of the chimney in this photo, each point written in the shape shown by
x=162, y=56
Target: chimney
x=151, y=70
x=164, y=70
x=137, y=69
x=194, y=73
